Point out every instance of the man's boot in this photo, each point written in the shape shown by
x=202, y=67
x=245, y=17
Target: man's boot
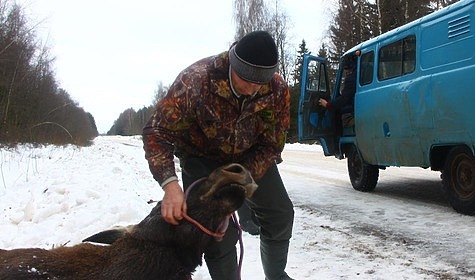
x=223, y=268
x=274, y=259
x=247, y=220
x=221, y=257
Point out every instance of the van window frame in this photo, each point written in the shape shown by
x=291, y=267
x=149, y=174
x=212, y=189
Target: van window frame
x=397, y=58
x=316, y=81
x=366, y=68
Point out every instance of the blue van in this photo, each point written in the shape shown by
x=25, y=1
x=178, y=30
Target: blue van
x=414, y=103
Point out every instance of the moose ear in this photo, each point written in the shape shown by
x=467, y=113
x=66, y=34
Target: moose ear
x=109, y=236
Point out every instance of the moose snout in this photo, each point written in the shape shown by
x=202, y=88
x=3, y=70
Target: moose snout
x=242, y=176
x=230, y=174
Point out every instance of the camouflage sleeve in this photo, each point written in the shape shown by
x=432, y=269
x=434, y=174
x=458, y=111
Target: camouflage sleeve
x=269, y=148
x=168, y=121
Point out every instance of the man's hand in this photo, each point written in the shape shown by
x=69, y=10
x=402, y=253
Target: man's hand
x=173, y=203
x=322, y=102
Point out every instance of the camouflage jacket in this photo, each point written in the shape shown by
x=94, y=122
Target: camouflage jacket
x=201, y=117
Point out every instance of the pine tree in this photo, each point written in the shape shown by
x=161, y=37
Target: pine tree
x=354, y=22
x=298, y=68
x=331, y=68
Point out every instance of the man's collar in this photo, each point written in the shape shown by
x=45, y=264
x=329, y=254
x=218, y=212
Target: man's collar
x=237, y=94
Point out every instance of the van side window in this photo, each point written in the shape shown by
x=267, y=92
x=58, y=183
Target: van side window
x=316, y=76
x=366, y=68
x=409, y=55
x=323, y=81
x=397, y=58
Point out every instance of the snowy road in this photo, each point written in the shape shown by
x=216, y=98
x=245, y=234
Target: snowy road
x=408, y=209
x=404, y=230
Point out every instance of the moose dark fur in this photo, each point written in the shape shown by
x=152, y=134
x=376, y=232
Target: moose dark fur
x=152, y=249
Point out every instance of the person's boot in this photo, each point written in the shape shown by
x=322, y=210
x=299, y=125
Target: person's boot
x=221, y=257
x=224, y=268
x=284, y=277
x=274, y=259
x=247, y=220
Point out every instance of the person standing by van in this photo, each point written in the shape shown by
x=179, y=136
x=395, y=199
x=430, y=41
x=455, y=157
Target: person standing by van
x=342, y=107
x=345, y=102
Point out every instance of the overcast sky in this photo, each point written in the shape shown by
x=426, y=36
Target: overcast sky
x=111, y=54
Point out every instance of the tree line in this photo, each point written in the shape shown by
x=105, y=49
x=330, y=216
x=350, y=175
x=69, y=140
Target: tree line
x=33, y=108
x=131, y=122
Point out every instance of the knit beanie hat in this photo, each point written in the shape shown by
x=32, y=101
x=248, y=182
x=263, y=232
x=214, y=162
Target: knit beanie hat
x=255, y=57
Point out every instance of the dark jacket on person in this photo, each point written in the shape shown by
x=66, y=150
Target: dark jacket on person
x=345, y=102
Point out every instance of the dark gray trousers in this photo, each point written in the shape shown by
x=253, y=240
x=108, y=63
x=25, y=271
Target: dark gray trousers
x=274, y=212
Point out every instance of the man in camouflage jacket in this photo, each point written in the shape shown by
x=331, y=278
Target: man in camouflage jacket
x=231, y=107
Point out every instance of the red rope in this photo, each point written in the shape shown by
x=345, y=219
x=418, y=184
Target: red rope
x=200, y=226
x=193, y=221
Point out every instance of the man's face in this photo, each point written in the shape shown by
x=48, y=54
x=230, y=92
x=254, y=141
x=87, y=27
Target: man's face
x=242, y=86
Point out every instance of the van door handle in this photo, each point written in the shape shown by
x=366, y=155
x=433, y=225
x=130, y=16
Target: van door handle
x=386, y=130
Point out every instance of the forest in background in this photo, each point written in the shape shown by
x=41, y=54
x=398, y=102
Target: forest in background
x=34, y=109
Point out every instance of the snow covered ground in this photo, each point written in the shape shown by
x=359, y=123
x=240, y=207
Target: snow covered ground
x=405, y=229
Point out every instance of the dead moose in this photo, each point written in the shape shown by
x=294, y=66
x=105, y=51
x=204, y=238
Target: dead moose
x=152, y=249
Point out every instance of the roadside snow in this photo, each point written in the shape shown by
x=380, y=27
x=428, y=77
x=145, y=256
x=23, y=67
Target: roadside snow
x=52, y=196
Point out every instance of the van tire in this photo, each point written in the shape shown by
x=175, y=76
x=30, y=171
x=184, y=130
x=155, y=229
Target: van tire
x=459, y=179
x=363, y=177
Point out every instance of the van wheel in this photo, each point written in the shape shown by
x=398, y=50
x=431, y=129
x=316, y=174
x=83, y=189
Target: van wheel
x=363, y=176
x=459, y=179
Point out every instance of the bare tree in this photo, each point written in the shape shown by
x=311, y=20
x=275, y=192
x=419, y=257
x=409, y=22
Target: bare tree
x=250, y=15
x=32, y=107
x=278, y=26
x=395, y=13
x=159, y=93
x=439, y=4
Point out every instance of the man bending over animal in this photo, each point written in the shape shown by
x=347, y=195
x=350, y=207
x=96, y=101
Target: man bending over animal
x=230, y=107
